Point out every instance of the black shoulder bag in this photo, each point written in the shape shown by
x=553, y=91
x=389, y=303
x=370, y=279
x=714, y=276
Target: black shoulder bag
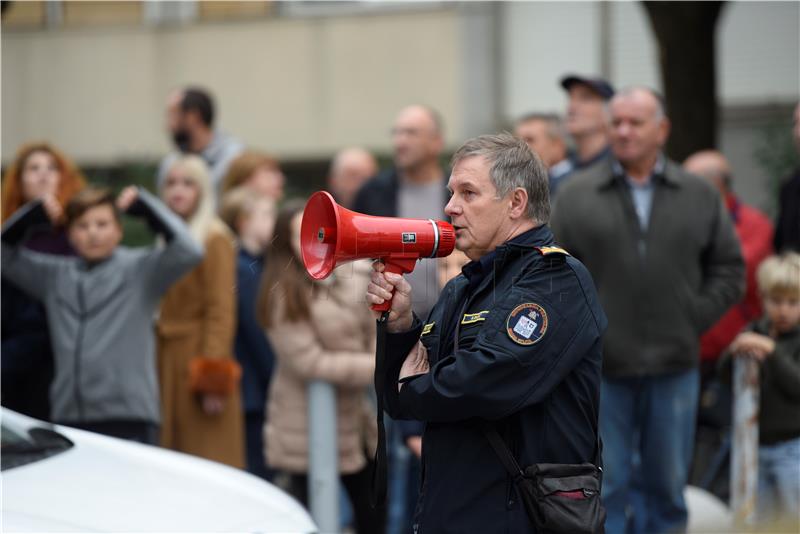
x=558, y=498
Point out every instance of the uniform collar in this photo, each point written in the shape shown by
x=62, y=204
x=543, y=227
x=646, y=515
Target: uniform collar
x=477, y=270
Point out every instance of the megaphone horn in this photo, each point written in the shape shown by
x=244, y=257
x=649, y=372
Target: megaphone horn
x=331, y=235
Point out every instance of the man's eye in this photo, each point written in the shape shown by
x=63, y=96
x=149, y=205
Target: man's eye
x=469, y=194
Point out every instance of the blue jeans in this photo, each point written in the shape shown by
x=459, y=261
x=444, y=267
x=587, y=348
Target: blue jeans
x=779, y=482
x=651, y=418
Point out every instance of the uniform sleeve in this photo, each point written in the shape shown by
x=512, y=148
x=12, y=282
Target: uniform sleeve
x=219, y=297
x=498, y=376
x=398, y=345
x=300, y=352
x=724, y=272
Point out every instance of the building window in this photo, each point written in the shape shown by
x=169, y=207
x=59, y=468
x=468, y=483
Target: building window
x=170, y=12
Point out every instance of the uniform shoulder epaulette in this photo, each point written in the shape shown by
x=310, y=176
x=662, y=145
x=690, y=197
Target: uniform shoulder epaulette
x=544, y=251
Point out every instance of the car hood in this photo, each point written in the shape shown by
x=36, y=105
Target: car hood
x=110, y=485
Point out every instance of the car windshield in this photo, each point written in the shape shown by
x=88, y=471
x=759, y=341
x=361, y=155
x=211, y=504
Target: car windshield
x=20, y=445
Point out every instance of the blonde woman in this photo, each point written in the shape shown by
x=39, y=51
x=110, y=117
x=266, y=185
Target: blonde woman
x=200, y=398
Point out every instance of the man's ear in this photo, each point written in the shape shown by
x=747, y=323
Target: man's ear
x=663, y=131
x=519, y=203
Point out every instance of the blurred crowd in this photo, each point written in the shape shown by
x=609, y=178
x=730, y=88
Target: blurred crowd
x=206, y=342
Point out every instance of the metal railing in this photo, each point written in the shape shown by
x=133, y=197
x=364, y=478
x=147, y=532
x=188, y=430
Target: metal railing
x=323, y=456
x=744, y=451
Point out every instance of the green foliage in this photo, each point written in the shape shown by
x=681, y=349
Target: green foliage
x=776, y=153
x=136, y=231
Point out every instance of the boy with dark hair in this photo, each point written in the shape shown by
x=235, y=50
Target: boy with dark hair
x=101, y=305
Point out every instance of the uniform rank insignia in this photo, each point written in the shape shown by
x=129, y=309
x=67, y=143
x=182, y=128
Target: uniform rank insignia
x=427, y=328
x=470, y=318
x=527, y=324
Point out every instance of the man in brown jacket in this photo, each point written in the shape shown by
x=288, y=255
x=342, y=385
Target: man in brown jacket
x=666, y=262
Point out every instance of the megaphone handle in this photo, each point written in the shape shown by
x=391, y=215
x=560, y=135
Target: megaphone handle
x=397, y=266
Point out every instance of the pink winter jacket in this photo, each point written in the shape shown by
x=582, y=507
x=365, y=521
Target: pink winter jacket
x=336, y=346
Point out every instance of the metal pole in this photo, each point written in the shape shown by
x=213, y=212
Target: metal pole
x=744, y=453
x=323, y=457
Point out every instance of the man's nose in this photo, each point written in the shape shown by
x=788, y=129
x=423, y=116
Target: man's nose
x=623, y=129
x=451, y=208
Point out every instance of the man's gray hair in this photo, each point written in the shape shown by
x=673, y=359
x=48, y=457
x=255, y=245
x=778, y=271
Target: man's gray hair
x=513, y=164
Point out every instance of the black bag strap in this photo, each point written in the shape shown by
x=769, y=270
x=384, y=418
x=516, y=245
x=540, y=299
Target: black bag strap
x=377, y=495
x=502, y=451
x=497, y=442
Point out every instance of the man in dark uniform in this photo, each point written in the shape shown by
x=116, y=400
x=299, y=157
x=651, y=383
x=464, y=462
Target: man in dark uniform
x=515, y=340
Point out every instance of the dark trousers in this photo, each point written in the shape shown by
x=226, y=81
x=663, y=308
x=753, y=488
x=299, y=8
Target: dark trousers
x=368, y=521
x=140, y=431
x=254, y=436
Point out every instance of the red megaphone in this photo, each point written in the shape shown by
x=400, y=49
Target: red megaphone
x=331, y=235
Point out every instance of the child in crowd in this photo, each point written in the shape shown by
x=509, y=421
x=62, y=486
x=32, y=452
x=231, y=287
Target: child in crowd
x=255, y=171
x=251, y=216
x=775, y=341
x=320, y=331
x=201, y=405
x=100, y=305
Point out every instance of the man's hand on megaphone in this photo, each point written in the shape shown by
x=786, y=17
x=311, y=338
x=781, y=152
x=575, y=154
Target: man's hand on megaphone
x=380, y=289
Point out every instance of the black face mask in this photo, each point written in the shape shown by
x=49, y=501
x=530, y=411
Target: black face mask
x=182, y=139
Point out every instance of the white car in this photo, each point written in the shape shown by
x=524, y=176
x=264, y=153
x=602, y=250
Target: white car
x=56, y=478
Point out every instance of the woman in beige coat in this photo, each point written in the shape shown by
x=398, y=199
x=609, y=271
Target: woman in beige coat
x=321, y=331
x=201, y=405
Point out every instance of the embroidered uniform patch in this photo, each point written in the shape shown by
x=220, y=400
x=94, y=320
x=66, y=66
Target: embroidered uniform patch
x=427, y=328
x=470, y=318
x=527, y=324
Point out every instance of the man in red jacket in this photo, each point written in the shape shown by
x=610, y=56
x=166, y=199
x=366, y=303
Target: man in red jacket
x=755, y=232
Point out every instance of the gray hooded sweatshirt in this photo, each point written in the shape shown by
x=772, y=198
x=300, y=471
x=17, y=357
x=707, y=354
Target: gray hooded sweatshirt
x=101, y=315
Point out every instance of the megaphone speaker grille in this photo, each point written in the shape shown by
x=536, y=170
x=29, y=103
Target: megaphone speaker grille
x=319, y=236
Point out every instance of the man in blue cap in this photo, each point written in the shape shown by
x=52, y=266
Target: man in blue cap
x=587, y=119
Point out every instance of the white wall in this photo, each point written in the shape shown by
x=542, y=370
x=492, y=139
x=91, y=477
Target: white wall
x=304, y=87
x=296, y=87
x=758, y=48
x=542, y=42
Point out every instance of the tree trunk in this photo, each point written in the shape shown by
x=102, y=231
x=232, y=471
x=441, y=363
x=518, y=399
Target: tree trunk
x=686, y=34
